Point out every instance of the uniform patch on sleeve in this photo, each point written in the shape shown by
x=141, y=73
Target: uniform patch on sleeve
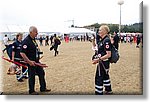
x=107, y=46
x=24, y=46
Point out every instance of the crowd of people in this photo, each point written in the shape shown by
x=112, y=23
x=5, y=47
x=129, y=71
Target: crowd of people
x=71, y=38
x=132, y=39
x=41, y=38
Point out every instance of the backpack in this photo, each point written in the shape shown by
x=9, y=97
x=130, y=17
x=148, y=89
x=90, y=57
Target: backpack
x=114, y=54
x=58, y=41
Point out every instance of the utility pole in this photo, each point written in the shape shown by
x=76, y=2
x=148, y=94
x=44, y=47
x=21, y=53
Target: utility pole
x=120, y=2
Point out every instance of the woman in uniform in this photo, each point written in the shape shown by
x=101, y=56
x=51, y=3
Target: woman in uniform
x=16, y=47
x=102, y=61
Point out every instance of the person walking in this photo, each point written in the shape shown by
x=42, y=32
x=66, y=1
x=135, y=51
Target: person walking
x=116, y=40
x=51, y=39
x=138, y=40
x=56, y=43
x=46, y=41
x=5, y=41
x=41, y=40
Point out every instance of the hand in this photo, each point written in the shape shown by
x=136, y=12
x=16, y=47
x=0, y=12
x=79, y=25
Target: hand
x=12, y=59
x=92, y=39
x=94, y=61
x=31, y=63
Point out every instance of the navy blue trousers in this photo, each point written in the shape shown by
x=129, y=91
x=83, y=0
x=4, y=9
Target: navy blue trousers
x=102, y=78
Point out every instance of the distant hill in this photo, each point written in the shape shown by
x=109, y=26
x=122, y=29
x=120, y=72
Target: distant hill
x=136, y=27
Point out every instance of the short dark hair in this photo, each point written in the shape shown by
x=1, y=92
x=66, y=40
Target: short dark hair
x=54, y=35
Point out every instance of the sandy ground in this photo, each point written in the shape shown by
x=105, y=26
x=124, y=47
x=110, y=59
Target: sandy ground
x=71, y=72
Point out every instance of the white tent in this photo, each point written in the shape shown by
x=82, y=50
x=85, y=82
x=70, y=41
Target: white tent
x=24, y=28
x=4, y=28
x=43, y=30
x=14, y=28
x=78, y=31
x=72, y=32
x=129, y=34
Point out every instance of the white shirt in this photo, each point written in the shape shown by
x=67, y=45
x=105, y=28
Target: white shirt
x=5, y=40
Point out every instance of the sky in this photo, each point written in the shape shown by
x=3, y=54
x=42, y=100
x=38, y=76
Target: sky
x=61, y=12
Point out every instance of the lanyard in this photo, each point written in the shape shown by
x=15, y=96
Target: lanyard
x=37, y=48
x=35, y=43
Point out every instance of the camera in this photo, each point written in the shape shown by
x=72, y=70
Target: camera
x=39, y=53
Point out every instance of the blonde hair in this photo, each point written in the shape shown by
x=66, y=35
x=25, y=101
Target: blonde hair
x=106, y=28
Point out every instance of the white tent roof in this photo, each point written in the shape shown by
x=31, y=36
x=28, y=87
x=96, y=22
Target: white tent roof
x=10, y=28
x=4, y=28
x=130, y=34
x=78, y=31
x=14, y=28
x=25, y=28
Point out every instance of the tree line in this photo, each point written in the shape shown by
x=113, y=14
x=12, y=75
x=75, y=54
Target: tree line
x=132, y=28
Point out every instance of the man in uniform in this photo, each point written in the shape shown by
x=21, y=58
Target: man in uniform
x=30, y=54
x=104, y=53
